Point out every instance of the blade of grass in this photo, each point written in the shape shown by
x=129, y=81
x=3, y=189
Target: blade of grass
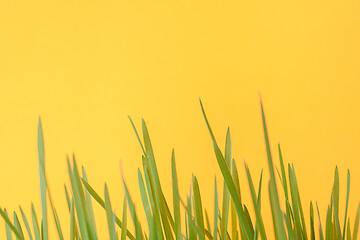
x=176, y=198
x=11, y=226
x=26, y=223
x=198, y=209
x=159, y=200
x=101, y=202
x=124, y=220
x=347, y=201
x=228, y=179
x=321, y=235
x=18, y=226
x=35, y=223
x=43, y=186
x=356, y=225
x=88, y=204
x=138, y=230
x=312, y=228
x=275, y=204
x=259, y=219
x=7, y=228
x=216, y=212
x=109, y=215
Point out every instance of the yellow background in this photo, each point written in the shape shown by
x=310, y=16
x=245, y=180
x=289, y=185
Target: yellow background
x=83, y=66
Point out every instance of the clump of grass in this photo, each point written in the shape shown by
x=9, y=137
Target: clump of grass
x=166, y=223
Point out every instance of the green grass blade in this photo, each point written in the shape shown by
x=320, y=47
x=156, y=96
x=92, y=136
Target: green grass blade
x=329, y=225
x=11, y=226
x=145, y=202
x=226, y=194
x=35, y=223
x=198, y=209
x=321, y=234
x=124, y=220
x=283, y=174
x=18, y=227
x=138, y=230
x=275, y=204
x=79, y=202
x=348, y=231
x=7, y=228
x=216, y=212
x=109, y=215
x=101, y=202
x=259, y=219
x=312, y=228
x=176, y=198
x=291, y=233
x=295, y=203
x=73, y=232
x=26, y=223
x=347, y=201
x=356, y=225
x=43, y=186
x=68, y=201
x=88, y=204
x=159, y=200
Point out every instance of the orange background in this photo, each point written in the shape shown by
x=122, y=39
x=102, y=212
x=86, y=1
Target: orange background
x=83, y=66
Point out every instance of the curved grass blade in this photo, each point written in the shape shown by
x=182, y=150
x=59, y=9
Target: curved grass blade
x=321, y=234
x=176, y=198
x=312, y=228
x=11, y=226
x=101, y=202
x=216, y=212
x=138, y=231
x=259, y=219
x=35, y=223
x=275, y=204
x=18, y=226
x=7, y=228
x=26, y=223
x=88, y=204
x=347, y=201
x=356, y=225
x=145, y=202
x=124, y=220
x=41, y=154
x=198, y=209
x=109, y=215
x=73, y=229
x=159, y=199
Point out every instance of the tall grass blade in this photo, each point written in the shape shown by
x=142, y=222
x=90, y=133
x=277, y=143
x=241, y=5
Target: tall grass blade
x=109, y=215
x=88, y=204
x=18, y=227
x=124, y=220
x=321, y=234
x=347, y=202
x=198, y=209
x=275, y=204
x=228, y=179
x=35, y=223
x=26, y=223
x=7, y=228
x=43, y=186
x=312, y=227
x=356, y=225
x=259, y=219
x=216, y=212
x=176, y=198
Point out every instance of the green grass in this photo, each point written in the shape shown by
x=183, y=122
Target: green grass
x=188, y=213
